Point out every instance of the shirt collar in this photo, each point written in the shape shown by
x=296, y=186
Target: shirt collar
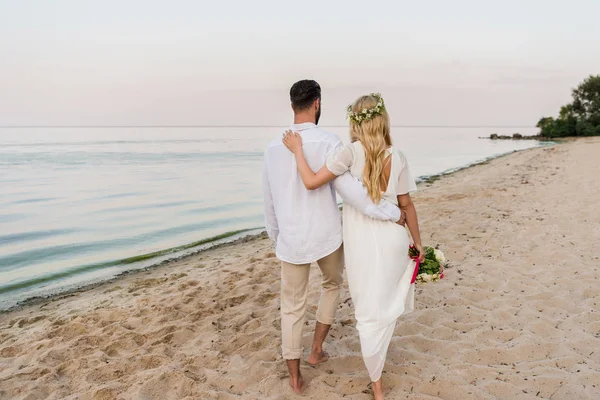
x=303, y=126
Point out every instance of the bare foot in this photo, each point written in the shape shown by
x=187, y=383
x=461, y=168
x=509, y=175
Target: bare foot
x=297, y=386
x=377, y=390
x=317, y=358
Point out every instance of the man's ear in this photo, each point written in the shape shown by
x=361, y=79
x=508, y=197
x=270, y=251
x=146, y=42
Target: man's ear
x=317, y=104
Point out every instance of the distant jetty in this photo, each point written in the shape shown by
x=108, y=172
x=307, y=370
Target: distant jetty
x=515, y=136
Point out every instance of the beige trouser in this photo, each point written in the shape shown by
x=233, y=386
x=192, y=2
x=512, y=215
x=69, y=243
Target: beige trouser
x=294, y=289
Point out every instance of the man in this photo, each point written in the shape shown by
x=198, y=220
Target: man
x=306, y=226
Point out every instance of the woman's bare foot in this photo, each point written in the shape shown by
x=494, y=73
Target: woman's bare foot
x=297, y=385
x=317, y=358
x=377, y=389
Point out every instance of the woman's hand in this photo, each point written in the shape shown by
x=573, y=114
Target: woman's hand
x=402, y=220
x=293, y=141
x=421, y=251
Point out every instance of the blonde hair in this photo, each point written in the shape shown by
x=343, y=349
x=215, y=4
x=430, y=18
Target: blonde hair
x=374, y=134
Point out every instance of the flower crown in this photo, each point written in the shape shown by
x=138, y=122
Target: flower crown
x=366, y=114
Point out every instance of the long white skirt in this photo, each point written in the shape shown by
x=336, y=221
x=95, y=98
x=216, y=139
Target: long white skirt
x=379, y=272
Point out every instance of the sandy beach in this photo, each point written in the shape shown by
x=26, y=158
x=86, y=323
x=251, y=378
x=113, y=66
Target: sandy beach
x=515, y=318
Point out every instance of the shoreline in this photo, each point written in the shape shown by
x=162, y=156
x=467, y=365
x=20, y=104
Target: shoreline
x=178, y=253
x=448, y=172
x=214, y=245
x=516, y=316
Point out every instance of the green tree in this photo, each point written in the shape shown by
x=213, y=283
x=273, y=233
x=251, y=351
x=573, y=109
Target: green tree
x=559, y=128
x=586, y=128
x=579, y=118
x=544, y=122
x=566, y=112
x=586, y=99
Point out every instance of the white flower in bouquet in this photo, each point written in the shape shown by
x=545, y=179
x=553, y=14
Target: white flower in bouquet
x=439, y=256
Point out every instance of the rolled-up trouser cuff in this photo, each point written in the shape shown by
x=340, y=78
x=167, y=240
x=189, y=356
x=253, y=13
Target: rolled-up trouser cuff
x=290, y=354
x=325, y=320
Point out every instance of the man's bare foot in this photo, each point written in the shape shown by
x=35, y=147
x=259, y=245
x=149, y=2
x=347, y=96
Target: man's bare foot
x=377, y=389
x=297, y=386
x=317, y=355
x=317, y=358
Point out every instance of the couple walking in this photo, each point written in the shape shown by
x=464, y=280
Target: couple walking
x=303, y=219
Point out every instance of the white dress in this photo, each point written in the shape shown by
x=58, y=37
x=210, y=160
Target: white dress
x=378, y=267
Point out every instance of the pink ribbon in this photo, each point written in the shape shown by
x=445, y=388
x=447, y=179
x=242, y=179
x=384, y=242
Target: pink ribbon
x=417, y=263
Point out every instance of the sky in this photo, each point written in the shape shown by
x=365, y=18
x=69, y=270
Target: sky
x=436, y=62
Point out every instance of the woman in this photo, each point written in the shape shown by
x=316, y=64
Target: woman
x=378, y=267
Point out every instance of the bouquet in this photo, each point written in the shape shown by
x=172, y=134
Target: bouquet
x=430, y=270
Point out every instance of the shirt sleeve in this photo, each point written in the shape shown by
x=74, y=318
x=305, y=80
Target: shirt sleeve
x=354, y=193
x=406, y=183
x=340, y=160
x=270, y=217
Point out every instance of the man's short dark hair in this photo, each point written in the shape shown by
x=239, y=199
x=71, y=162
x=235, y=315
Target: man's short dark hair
x=304, y=93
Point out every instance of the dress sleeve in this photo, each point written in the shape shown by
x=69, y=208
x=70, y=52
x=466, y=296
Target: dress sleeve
x=406, y=183
x=341, y=160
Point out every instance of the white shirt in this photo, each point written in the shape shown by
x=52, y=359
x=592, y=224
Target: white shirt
x=306, y=225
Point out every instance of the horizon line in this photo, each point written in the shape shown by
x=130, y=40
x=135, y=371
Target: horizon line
x=243, y=126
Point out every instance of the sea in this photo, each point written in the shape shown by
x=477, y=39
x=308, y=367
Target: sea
x=79, y=205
